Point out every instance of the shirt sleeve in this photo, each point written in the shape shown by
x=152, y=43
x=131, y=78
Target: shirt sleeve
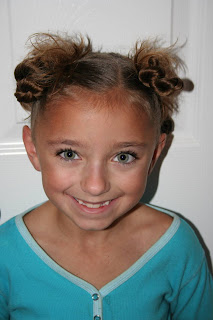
x=195, y=298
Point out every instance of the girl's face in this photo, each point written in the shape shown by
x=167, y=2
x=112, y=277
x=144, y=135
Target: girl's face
x=94, y=161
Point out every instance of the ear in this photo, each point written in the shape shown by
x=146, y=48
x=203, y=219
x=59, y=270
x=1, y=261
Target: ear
x=158, y=149
x=30, y=148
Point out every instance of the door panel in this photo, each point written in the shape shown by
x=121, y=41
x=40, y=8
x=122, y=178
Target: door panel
x=184, y=184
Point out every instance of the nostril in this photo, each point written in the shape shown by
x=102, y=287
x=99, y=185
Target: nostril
x=95, y=183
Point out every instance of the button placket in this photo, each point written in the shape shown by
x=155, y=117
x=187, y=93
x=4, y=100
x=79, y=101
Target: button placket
x=97, y=306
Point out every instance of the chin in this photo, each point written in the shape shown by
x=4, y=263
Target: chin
x=95, y=225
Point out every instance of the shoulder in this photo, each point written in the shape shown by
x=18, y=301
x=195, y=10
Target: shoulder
x=187, y=242
x=9, y=255
x=189, y=250
x=180, y=239
x=11, y=240
x=7, y=232
x=156, y=217
x=153, y=222
x=9, y=237
x=183, y=232
x=149, y=227
x=183, y=253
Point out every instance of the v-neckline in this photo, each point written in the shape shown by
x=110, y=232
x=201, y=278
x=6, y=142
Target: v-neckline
x=117, y=281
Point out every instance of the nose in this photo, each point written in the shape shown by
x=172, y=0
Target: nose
x=95, y=180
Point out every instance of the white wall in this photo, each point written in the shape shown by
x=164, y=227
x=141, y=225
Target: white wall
x=185, y=183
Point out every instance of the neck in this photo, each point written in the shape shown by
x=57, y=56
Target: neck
x=88, y=238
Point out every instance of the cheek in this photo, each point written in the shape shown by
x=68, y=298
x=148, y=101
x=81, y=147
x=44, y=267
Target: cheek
x=134, y=182
x=57, y=178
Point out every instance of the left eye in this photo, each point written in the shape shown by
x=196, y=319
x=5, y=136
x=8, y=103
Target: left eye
x=124, y=158
x=69, y=155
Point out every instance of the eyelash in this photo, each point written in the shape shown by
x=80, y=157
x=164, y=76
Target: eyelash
x=66, y=150
x=129, y=152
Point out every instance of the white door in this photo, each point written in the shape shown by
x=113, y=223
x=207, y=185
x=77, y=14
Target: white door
x=185, y=182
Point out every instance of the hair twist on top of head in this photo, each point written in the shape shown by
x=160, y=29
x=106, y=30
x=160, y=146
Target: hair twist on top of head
x=49, y=62
x=154, y=76
x=28, y=90
x=56, y=64
x=157, y=69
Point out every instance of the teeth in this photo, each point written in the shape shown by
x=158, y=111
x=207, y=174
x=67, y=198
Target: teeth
x=90, y=205
x=106, y=203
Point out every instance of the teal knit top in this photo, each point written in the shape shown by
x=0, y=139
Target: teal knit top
x=170, y=281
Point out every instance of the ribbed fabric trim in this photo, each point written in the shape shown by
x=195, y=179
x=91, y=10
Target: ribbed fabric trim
x=46, y=259
x=112, y=285
x=146, y=257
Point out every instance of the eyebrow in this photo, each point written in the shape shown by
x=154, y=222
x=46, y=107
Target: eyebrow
x=75, y=143
x=129, y=144
x=66, y=142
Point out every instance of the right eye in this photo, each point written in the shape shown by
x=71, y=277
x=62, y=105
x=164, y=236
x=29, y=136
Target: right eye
x=68, y=155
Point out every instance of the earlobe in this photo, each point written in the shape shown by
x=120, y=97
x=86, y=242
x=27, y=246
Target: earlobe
x=157, y=151
x=30, y=148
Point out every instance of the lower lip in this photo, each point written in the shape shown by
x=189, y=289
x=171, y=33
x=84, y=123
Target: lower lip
x=87, y=210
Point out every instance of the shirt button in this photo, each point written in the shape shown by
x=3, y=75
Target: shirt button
x=95, y=297
x=97, y=318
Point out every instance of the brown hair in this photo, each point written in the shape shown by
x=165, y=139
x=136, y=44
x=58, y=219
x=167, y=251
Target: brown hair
x=57, y=64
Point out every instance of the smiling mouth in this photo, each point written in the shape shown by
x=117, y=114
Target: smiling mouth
x=93, y=205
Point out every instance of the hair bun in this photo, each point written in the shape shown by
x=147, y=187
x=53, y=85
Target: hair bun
x=27, y=90
x=48, y=66
x=154, y=76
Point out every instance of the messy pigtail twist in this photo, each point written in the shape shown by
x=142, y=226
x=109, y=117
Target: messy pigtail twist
x=156, y=68
x=47, y=67
x=56, y=65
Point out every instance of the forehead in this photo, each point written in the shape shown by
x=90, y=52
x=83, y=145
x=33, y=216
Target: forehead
x=96, y=115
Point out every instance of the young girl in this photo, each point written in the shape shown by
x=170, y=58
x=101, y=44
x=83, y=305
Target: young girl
x=99, y=122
